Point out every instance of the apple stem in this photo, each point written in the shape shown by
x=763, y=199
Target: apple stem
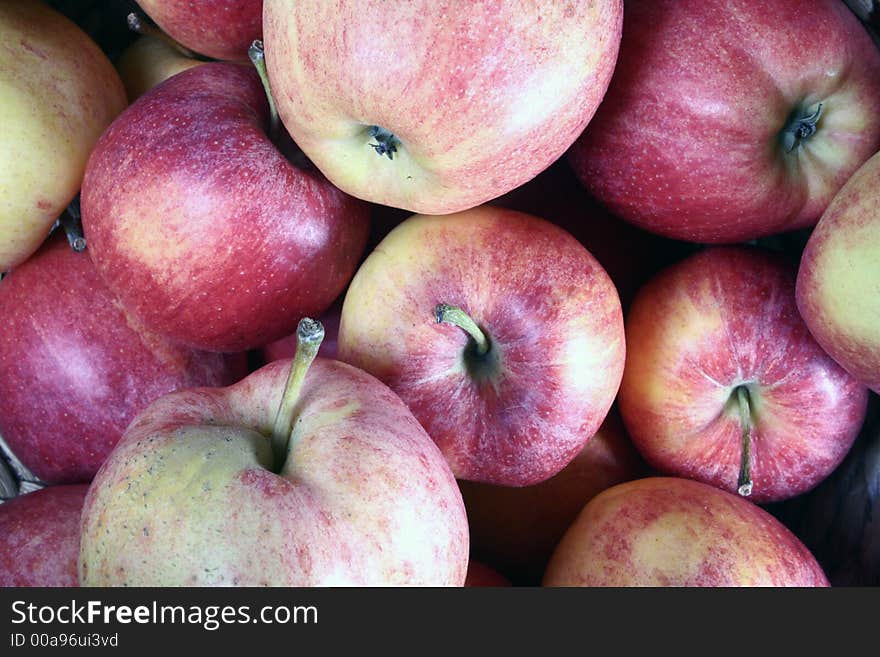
x=257, y=55
x=309, y=335
x=744, y=483
x=446, y=314
x=386, y=143
x=137, y=24
x=800, y=128
x=71, y=223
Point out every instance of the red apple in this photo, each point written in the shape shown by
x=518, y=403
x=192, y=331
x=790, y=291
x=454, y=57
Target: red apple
x=838, y=284
x=200, y=225
x=437, y=106
x=298, y=475
x=724, y=383
x=499, y=330
x=517, y=528
x=222, y=29
x=479, y=574
x=39, y=537
x=75, y=367
x=729, y=120
x=664, y=531
x=286, y=346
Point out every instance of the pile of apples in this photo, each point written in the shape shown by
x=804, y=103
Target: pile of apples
x=434, y=293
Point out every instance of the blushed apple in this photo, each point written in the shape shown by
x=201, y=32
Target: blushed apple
x=221, y=29
x=437, y=106
x=838, y=283
x=666, y=531
x=39, y=537
x=479, y=574
x=58, y=92
x=75, y=367
x=203, y=228
x=500, y=331
x=517, y=528
x=730, y=120
x=724, y=383
x=310, y=473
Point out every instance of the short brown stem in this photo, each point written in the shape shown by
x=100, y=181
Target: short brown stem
x=744, y=482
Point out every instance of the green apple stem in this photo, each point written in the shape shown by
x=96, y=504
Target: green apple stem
x=800, y=128
x=137, y=24
x=71, y=223
x=744, y=482
x=257, y=55
x=309, y=335
x=446, y=314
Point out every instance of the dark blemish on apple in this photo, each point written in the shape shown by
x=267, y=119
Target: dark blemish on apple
x=386, y=144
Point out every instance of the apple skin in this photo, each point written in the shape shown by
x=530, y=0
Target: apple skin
x=725, y=317
x=39, y=537
x=201, y=226
x=220, y=29
x=75, y=368
x=687, y=140
x=838, y=283
x=480, y=575
x=364, y=497
x=665, y=531
x=58, y=92
x=550, y=311
x=517, y=528
x=286, y=346
x=481, y=97
x=148, y=61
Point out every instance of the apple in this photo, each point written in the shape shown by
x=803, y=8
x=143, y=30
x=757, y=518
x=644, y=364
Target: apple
x=667, y=531
x=220, y=29
x=149, y=60
x=437, y=106
x=481, y=575
x=724, y=383
x=517, y=528
x=39, y=537
x=499, y=330
x=58, y=92
x=730, y=120
x=286, y=346
x=838, y=283
x=75, y=367
x=310, y=473
x=203, y=228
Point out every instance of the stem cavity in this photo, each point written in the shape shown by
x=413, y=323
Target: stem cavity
x=446, y=314
x=386, y=142
x=257, y=55
x=309, y=335
x=800, y=128
x=744, y=482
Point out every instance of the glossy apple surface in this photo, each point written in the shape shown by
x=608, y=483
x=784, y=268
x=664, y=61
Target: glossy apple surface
x=711, y=130
x=75, y=367
x=517, y=528
x=39, y=537
x=200, y=225
x=664, y=531
x=437, y=106
x=715, y=344
x=58, y=92
x=838, y=284
x=221, y=29
x=518, y=411
x=208, y=487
